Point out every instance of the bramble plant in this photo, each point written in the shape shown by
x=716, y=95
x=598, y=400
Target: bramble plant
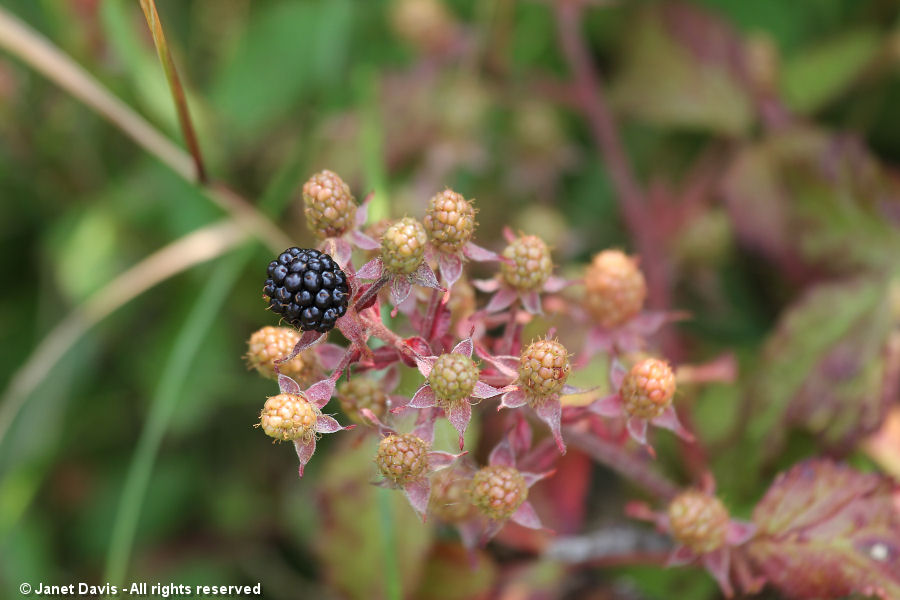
x=461, y=361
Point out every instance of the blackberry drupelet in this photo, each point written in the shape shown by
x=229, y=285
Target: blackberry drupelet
x=308, y=289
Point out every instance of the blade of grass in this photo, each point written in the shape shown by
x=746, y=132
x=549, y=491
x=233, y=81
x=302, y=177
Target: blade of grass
x=371, y=143
x=39, y=53
x=147, y=84
x=184, y=115
x=196, y=247
x=393, y=590
x=185, y=349
x=373, y=167
x=196, y=326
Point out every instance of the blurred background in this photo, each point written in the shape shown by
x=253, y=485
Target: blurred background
x=762, y=133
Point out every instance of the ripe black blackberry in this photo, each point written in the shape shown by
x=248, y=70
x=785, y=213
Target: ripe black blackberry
x=308, y=289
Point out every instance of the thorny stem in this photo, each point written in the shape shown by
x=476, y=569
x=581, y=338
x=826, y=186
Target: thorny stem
x=370, y=293
x=613, y=545
x=591, y=98
x=377, y=328
x=623, y=462
x=350, y=356
x=509, y=330
x=592, y=101
x=431, y=315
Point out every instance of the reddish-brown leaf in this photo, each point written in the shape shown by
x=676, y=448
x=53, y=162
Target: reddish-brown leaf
x=827, y=531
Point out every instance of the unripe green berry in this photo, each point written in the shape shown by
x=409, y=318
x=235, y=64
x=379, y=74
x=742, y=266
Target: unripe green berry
x=402, y=458
x=453, y=377
x=427, y=24
x=498, y=491
x=328, y=204
x=289, y=417
x=648, y=388
x=403, y=246
x=450, y=221
x=699, y=521
x=450, y=495
x=544, y=369
x=359, y=393
x=615, y=289
x=531, y=263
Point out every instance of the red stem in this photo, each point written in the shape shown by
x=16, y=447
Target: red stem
x=431, y=315
x=350, y=356
x=509, y=331
x=370, y=292
x=591, y=98
x=377, y=328
x=623, y=462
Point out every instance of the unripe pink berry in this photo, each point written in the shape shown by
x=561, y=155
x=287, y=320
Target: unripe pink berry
x=544, y=368
x=648, y=388
x=698, y=520
x=288, y=417
x=498, y=491
x=615, y=289
x=402, y=458
x=269, y=344
x=427, y=24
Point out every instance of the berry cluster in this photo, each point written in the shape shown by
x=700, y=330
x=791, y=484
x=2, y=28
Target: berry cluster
x=451, y=495
x=466, y=355
x=362, y=393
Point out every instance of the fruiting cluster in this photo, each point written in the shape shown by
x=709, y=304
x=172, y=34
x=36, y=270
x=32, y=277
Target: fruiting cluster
x=469, y=354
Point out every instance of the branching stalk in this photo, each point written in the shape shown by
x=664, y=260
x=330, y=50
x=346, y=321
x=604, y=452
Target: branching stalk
x=622, y=462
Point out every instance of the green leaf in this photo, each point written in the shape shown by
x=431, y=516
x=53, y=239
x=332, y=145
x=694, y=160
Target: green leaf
x=289, y=52
x=824, y=368
x=86, y=247
x=449, y=574
x=350, y=546
x=827, y=531
x=805, y=193
x=818, y=75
